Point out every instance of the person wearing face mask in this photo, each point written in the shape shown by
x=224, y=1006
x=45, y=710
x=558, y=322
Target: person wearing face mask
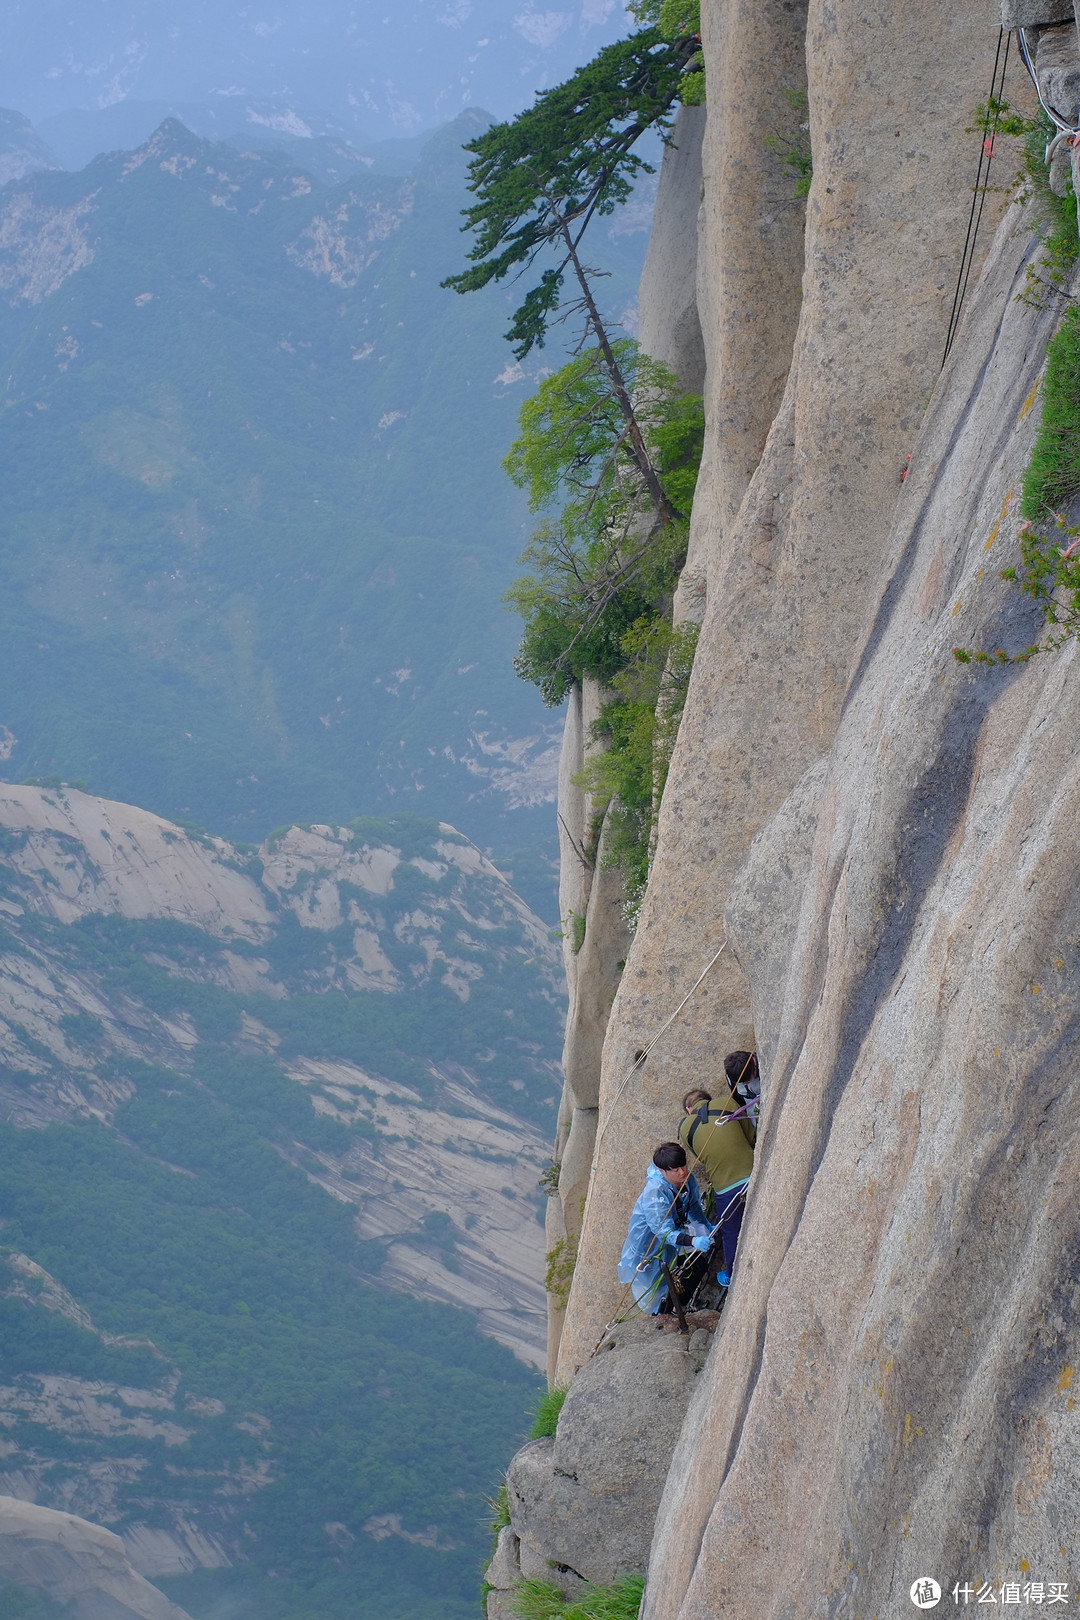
x=668, y=1226
x=720, y=1135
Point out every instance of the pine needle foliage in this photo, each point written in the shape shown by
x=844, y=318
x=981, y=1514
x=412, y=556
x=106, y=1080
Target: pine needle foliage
x=540, y=179
x=676, y=19
x=610, y=434
x=535, y=1600
x=539, y=182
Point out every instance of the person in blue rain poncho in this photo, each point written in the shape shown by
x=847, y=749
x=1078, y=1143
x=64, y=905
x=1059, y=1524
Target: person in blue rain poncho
x=667, y=1223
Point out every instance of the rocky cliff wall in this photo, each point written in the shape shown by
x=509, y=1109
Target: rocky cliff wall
x=791, y=576
x=595, y=941
x=890, y=1395
x=669, y=326
x=596, y=937
x=887, y=842
x=76, y=1564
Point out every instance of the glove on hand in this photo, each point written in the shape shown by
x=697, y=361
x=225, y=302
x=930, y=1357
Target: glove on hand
x=702, y=1244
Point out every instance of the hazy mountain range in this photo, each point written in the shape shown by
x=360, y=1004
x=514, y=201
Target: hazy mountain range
x=273, y=1097
x=255, y=529
x=377, y=69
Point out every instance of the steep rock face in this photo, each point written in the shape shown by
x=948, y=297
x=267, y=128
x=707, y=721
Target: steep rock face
x=595, y=942
x=887, y=842
x=578, y=1501
x=750, y=256
x=83, y=854
x=906, y=1318
x=596, y=937
x=669, y=326
x=76, y=1563
x=790, y=579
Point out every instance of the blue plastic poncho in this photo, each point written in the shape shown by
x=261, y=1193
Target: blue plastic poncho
x=655, y=1221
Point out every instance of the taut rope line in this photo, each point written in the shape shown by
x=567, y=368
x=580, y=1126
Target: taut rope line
x=978, y=195
x=640, y=1059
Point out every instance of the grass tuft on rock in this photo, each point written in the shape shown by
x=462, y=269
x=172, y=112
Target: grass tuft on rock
x=1049, y=570
x=533, y=1600
x=1052, y=476
x=547, y=1413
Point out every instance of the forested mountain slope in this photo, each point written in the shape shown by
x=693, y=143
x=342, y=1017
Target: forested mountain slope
x=255, y=529
x=253, y=1102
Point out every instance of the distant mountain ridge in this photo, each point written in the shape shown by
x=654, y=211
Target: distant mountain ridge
x=386, y=71
x=255, y=513
x=22, y=149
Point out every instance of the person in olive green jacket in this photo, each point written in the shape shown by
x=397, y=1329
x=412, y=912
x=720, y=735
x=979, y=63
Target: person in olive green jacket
x=723, y=1147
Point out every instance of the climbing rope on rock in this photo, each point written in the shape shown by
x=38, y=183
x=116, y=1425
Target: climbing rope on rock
x=994, y=104
x=643, y=1054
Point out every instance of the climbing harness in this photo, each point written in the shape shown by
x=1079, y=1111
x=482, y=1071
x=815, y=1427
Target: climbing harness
x=978, y=195
x=738, y=1188
x=673, y=1273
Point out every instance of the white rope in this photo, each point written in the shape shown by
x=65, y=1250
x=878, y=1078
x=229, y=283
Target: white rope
x=640, y=1059
x=1055, y=117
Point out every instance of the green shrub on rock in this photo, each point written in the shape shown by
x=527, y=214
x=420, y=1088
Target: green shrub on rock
x=598, y=601
x=604, y=563
x=1049, y=569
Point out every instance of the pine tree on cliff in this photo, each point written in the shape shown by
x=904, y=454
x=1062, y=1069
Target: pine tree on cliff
x=611, y=433
x=541, y=179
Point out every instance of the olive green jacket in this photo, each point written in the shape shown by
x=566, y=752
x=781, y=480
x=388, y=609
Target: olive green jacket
x=723, y=1146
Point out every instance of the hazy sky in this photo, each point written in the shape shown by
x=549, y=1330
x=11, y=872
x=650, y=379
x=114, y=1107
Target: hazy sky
x=386, y=67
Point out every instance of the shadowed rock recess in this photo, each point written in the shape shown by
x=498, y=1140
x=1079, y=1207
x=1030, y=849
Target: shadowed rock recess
x=887, y=841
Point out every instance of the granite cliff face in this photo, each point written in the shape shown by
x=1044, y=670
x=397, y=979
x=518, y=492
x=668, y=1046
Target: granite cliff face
x=76, y=1564
x=887, y=842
